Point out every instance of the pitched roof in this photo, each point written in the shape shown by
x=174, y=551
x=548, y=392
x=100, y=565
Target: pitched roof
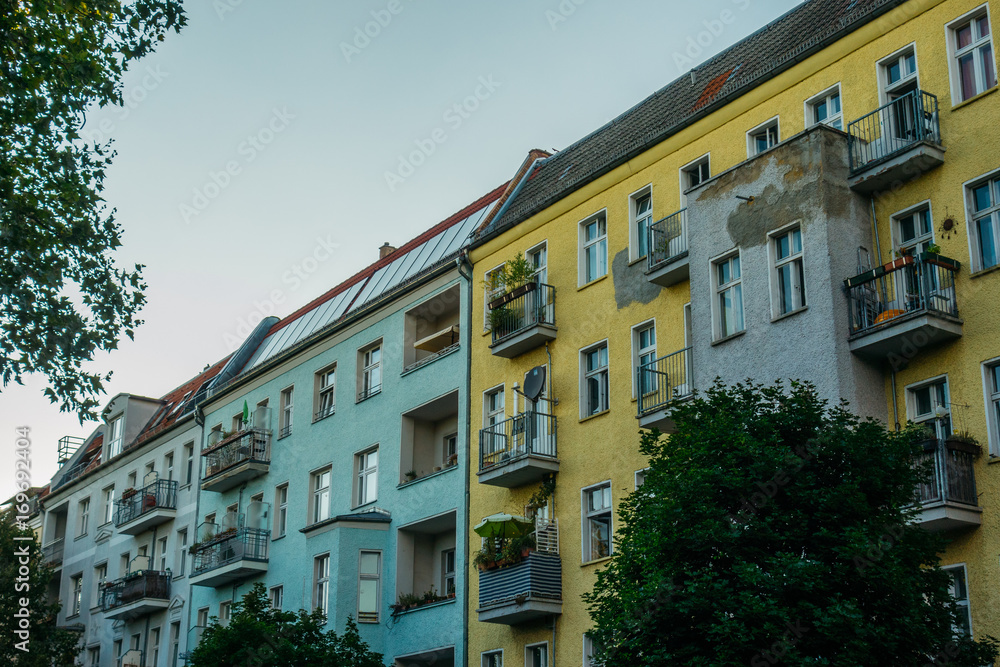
x=774, y=48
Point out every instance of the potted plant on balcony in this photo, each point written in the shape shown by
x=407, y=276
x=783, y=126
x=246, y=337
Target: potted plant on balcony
x=902, y=259
x=514, y=279
x=128, y=493
x=452, y=461
x=410, y=475
x=963, y=441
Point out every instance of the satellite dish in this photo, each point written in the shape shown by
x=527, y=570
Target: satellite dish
x=534, y=383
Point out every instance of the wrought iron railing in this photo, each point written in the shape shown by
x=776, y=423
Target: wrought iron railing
x=365, y=394
x=668, y=240
x=161, y=494
x=135, y=586
x=952, y=478
x=663, y=380
x=925, y=283
x=443, y=352
x=893, y=128
x=521, y=309
x=323, y=413
x=230, y=546
x=529, y=433
x=251, y=445
x=52, y=553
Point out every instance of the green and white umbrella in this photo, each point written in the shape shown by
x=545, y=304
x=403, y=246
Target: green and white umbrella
x=504, y=526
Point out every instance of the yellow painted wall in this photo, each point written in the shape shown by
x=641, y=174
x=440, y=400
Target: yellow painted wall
x=605, y=447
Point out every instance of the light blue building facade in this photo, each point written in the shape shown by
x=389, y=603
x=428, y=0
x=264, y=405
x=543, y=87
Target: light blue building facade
x=336, y=460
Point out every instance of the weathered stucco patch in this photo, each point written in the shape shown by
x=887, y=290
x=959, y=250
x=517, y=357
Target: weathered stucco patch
x=631, y=285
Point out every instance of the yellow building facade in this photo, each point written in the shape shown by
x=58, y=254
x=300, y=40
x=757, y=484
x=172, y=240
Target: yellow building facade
x=933, y=351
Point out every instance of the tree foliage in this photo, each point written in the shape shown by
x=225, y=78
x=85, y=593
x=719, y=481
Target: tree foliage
x=257, y=635
x=26, y=578
x=774, y=528
x=62, y=298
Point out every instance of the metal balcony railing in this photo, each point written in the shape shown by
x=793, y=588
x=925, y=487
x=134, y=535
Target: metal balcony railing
x=893, y=129
x=161, y=494
x=668, y=240
x=663, y=380
x=229, y=546
x=521, y=309
x=253, y=444
x=52, y=553
x=952, y=478
x=925, y=283
x=135, y=586
x=547, y=535
x=529, y=433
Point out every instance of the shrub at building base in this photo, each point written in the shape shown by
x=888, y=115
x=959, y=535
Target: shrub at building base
x=774, y=528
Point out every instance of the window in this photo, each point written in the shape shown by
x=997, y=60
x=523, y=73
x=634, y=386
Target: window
x=762, y=137
x=494, y=412
x=492, y=288
x=448, y=572
x=123, y=562
x=168, y=465
x=538, y=258
x=369, y=580
x=913, y=230
x=117, y=650
x=970, y=46
x=641, y=212
x=594, y=249
x=728, y=304
x=326, y=385
x=643, y=353
x=640, y=477
x=281, y=516
x=181, y=558
x=959, y=590
x=595, y=380
x=154, y=646
x=588, y=653
x=277, y=597
x=202, y=617
x=492, y=659
x=984, y=204
x=536, y=655
x=321, y=582
x=450, y=449
x=238, y=423
x=175, y=642
x=371, y=372
x=321, y=496
x=83, y=518
x=899, y=74
x=100, y=576
x=162, y=549
x=597, y=522
x=115, y=434
x=825, y=108
x=94, y=656
x=189, y=463
x=694, y=174
x=788, y=282
x=131, y=480
x=109, y=504
x=76, y=594
x=366, y=465
x=286, y=412
x=993, y=402
x=224, y=608
x=929, y=404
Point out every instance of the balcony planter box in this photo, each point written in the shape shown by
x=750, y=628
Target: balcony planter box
x=939, y=260
x=513, y=294
x=499, y=564
x=963, y=445
x=898, y=263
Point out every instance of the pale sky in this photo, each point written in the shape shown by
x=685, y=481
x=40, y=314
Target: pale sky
x=266, y=152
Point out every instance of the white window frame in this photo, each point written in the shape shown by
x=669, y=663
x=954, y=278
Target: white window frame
x=588, y=652
x=116, y=436
x=886, y=89
x=281, y=505
x=108, y=498
x=163, y=544
x=449, y=575
x=640, y=477
x=321, y=582
x=930, y=419
x=365, y=477
x=154, y=642
x=684, y=175
x=377, y=578
x=599, y=243
x=586, y=375
x=991, y=396
x=542, y=268
x=527, y=654
x=719, y=289
x=488, y=295
x=181, y=557
x=168, y=465
x=635, y=240
x=189, y=470
x=287, y=406
x=898, y=244
x=972, y=218
x=319, y=496
x=76, y=594
x=975, y=48
x=367, y=387
x=638, y=353
x=800, y=298
x=587, y=515
x=493, y=415
x=83, y=517
x=765, y=127
x=100, y=576
x=962, y=602
x=326, y=392
x=225, y=612
x=486, y=658
x=831, y=120
x=276, y=596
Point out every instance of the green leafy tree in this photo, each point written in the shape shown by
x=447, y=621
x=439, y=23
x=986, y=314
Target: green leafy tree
x=260, y=636
x=62, y=298
x=773, y=528
x=34, y=640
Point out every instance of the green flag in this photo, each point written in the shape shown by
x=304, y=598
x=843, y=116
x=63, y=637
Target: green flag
x=246, y=414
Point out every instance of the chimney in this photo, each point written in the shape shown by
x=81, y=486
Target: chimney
x=385, y=249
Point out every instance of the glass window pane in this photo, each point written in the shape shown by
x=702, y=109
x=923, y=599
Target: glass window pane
x=996, y=378
x=967, y=76
x=987, y=245
x=989, y=75
x=368, y=595
x=797, y=241
x=735, y=261
x=781, y=246
x=911, y=64
x=981, y=197
x=964, y=36
x=984, y=26
x=893, y=72
x=821, y=111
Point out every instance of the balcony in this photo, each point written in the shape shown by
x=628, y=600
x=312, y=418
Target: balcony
x=519, y=450
x=137, y=594
x=528, y=590
x=140, y=510
x=660, y=384
x=895, y=143
x=523, y=319
x=948, y=500
x=52, y=553
x=239, y=458
x=229, y=556
x=667, y=261
x=905, y=306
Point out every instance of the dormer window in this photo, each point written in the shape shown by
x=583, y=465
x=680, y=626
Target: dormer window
x=116, y=432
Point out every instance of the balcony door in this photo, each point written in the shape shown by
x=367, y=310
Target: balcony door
x=899, y=91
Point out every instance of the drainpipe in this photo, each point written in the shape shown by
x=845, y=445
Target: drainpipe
x=878, y=250
x=878, y=245
x=517, y=189
x=194, y=486
x=552, y=651
x=895, y=407
x=462, y=262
